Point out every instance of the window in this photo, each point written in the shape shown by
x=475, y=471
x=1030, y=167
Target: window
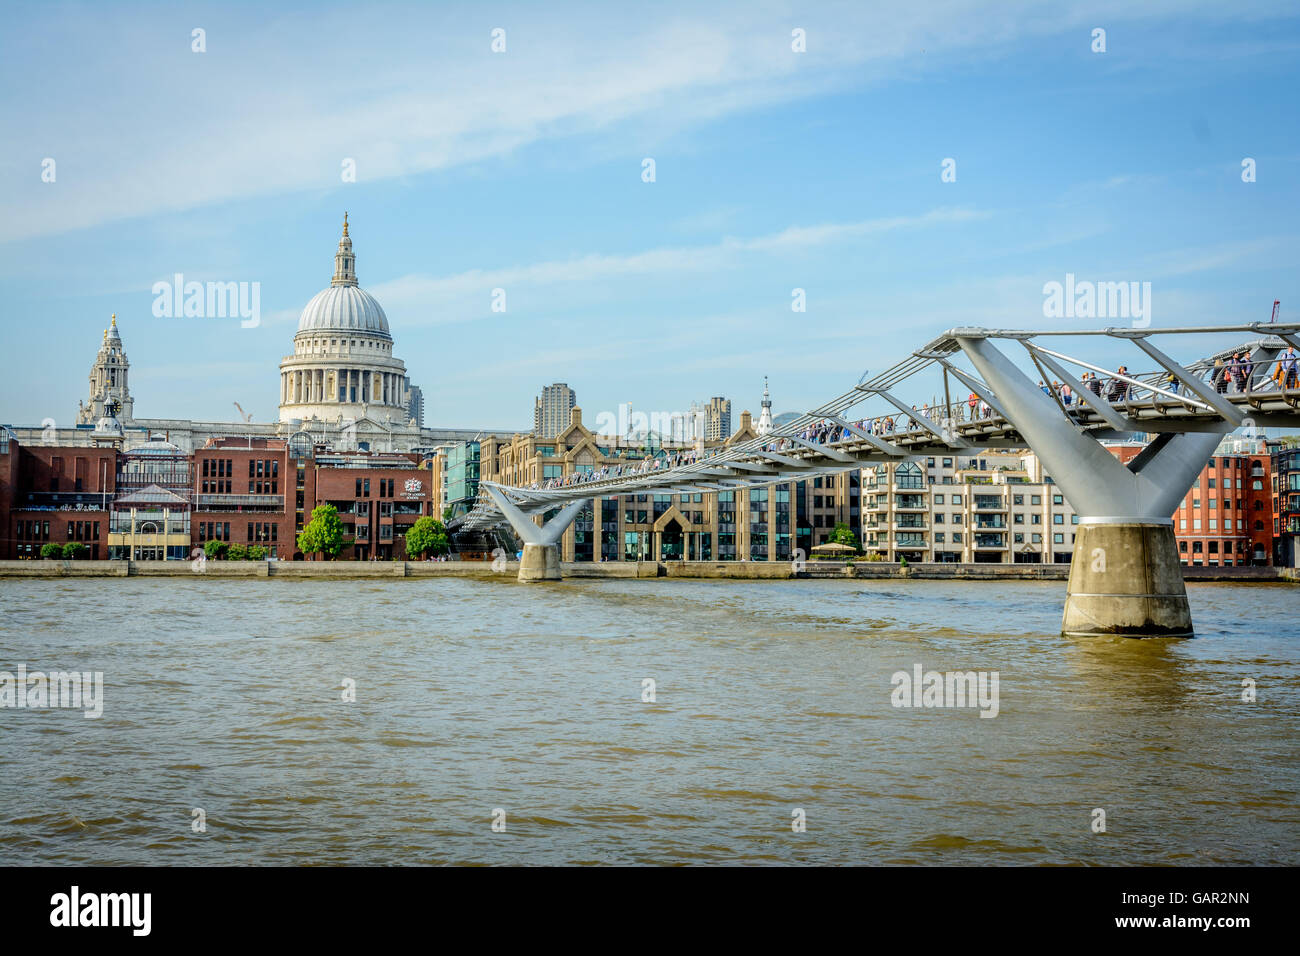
x=1036, y=538
x=1058, y=539
x=1057, y=500
x=1018, y=499
x=956, y=499
x=908, y=475
x=938, y=538
x=1058, y=519
x=1035, y=499
x=956, y=537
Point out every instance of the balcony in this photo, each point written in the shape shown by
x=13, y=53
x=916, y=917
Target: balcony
x=989, y=503
x=251, y=503
x=63, y=501
x=906, y=524
x=911, y=502
x=990, y=541
x=989, y=521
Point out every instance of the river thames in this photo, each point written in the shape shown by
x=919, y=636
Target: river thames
x=473, y=696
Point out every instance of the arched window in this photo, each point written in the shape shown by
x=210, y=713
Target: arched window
x=908, y=475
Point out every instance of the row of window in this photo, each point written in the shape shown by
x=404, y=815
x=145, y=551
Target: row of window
x=1214, y=524
x=981, y=540
x=1213, y=504
x=83, y=530
x=386, y=486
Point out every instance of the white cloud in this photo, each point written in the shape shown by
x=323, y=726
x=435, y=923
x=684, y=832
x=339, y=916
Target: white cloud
x=426, y=298
x=144, y=126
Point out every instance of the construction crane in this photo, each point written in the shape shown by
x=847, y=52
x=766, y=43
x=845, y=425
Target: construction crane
x=244, y=417
x=1277, y=307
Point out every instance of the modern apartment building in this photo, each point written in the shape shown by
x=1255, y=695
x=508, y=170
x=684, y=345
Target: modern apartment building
x=551, y=410
x=1285, y=481
x=995, y=507
x=717, y=419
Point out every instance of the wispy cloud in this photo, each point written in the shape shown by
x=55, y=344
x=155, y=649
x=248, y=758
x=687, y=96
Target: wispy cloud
x=413, y=90
x=432, y=297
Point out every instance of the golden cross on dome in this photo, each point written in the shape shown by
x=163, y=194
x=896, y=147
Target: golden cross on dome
x=345, y=224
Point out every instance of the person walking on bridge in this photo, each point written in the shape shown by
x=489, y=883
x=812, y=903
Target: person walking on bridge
x=1289, y=368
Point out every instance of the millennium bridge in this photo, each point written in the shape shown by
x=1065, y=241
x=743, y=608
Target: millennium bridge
x=1125, y=576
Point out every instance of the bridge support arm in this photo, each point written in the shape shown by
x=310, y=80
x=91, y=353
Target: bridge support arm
x=541, y=558
x=1125, y=576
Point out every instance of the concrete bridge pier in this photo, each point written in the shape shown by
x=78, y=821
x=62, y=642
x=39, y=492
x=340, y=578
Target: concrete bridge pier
x=1125, y=577
x=541, y=558
x=541, y=562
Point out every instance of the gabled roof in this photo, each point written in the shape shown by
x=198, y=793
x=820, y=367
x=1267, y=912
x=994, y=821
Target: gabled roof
x=152, y=495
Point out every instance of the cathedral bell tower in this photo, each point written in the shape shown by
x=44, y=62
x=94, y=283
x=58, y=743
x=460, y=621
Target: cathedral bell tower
x=108, y=381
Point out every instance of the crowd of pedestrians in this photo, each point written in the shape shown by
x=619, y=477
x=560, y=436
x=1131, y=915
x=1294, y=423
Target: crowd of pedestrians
x=1236, y=374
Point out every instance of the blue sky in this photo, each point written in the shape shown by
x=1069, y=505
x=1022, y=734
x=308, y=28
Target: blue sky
x=522, y=170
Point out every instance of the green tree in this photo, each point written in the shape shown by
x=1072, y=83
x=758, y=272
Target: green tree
x=446, y=515
x=843, y=534
x=256, y=552
x=51, y=550
x=236, y=552
x=427, y=536
x=214, y=549
x=323, y=533
x=74, y=549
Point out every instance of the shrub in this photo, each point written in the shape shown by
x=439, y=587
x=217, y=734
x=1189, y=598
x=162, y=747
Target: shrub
x=75, y=549
x=214, y=549
x=236, y=552
x=51, y=550
x=255, y=552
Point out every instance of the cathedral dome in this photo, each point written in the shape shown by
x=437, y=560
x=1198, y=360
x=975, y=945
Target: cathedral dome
x=344, y=306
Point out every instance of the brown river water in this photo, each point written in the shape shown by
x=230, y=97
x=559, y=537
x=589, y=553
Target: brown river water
x=770, y=697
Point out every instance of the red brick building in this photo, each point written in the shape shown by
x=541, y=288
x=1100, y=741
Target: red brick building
x=1226, y=519
x=54, y=495
x=152, y=501
x=378, y=496
x=240, y=491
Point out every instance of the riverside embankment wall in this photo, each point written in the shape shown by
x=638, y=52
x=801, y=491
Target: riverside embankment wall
x=738, y=570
